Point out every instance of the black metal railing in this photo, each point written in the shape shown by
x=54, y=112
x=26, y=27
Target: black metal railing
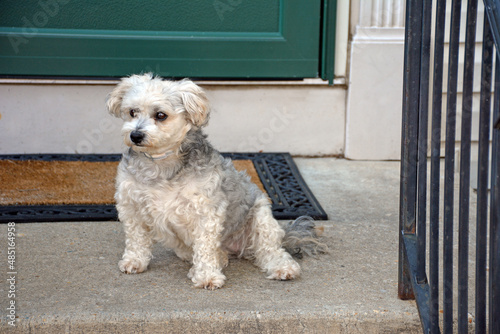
x=435, y=204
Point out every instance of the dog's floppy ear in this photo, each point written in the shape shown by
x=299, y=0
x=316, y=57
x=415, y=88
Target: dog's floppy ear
x=195, y=102
x=115, y=98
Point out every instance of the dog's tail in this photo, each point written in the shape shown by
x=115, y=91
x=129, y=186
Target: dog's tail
x=302, y=237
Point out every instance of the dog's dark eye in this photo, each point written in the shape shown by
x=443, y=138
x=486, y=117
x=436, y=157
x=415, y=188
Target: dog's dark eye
x=133, y=112
x=161, y=116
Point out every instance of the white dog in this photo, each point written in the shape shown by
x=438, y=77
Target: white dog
x=174, y=187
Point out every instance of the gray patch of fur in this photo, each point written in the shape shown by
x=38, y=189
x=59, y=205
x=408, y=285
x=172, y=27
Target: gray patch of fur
x=302, y=237
x=198, y=157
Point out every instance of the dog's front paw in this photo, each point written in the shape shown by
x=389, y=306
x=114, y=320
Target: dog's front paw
x=132, y=266
x=208, y=281
x=286, y=272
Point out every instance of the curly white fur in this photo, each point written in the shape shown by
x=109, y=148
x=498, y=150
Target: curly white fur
x=191, y=199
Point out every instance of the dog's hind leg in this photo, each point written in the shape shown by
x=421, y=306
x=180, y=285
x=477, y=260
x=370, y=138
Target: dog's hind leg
x=266, y=240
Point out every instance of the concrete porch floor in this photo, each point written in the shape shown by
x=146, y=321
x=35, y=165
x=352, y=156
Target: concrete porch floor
x=68, y=280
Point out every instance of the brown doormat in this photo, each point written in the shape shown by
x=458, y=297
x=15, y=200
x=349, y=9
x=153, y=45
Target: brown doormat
x=36, y=182
x=81, y=187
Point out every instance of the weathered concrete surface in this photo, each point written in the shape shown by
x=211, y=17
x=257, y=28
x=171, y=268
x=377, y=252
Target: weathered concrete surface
x=68, y=280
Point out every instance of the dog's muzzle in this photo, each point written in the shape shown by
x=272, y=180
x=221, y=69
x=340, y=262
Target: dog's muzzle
x=136, y=137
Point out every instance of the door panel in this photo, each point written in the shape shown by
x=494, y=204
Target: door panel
x=220, y=39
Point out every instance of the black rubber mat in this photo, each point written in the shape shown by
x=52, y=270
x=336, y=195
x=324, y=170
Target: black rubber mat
x=290, y=196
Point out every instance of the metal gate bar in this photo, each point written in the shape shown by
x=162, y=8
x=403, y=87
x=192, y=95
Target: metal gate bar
x=494, y=268
x=413, y=282
x=482, y=189
x=449, y=172
x=465, y=157
x=435, y=156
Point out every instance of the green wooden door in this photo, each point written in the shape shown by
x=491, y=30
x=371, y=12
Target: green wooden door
x=174, y=38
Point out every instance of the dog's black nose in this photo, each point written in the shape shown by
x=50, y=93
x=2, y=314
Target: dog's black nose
x=136, y=137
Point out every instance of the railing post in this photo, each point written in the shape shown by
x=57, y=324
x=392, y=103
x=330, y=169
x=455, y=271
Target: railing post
x=494, y=277
x=449, y=174
x=435, y=173
x=423, y=121
x=465, y=158
x=408, y=190
x=482, y=178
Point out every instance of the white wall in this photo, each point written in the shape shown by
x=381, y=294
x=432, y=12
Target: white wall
x=302, y=120
x=373, y=120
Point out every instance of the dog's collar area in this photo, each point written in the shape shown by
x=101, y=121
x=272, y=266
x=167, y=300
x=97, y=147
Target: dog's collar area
x=156, y=157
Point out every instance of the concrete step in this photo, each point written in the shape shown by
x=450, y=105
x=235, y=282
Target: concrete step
x=68, y=281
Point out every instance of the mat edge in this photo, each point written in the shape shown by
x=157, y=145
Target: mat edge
x=320, y=214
